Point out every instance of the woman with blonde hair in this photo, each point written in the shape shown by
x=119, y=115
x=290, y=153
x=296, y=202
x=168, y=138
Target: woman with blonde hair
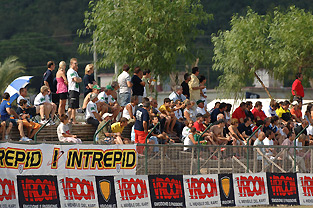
x=62, y=87
x=88, y=80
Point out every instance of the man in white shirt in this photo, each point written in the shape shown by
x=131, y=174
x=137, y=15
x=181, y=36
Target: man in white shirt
x=92, y=115
x=109, y=102
x=125, y=86
x=32, y=109
x=177, y=94
x=200, y=108
x=73, y=90
x=44, y=105
x=268, y=141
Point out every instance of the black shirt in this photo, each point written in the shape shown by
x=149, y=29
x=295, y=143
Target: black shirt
x=243, y=128
x=48, y=77
x=298, y=129
x=185, y=89
x=137, y=88
x=88, y=79
x=249, y=114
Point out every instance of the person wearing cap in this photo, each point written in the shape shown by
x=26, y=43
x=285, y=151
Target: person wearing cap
x=177, y=94
x=296, y=111
x=105, y=135
x=200, y=107
x=109, y=102
x=101, y=108
x=88, y=79
x=92, y=115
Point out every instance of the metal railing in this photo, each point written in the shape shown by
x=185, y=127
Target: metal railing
x=43, y=126
x=98, y=131
x=146, y=149
x=248, y=145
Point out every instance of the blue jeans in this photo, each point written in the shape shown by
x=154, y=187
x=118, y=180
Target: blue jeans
x=124, y=99
x=155, y=139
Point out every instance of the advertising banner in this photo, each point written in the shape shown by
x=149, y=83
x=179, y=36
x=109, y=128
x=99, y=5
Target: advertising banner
x=282, y=188
x=167, y=191
x=77, y=191
x=250, y=189
x=42, y=159
x=132, y=191
x=305, y=188
x=226, y=189
x=38, y=191
x=202, y=191
x=8, y=192
x=106, y=191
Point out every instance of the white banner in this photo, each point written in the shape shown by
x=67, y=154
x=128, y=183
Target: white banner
x=202, y=191
x=305, y=188
x=250, y=189
x=78, y=191
x=132, y=191
x=43, y=159
x=8, y=192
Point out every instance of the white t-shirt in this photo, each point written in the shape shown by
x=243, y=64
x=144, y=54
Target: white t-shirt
x=178, y=114
x=187, y=141
x=174, y=96
x=192, y=114
x=270, y=112
x=90, y=109
x=268, y=142
x=71, y=73
x=126, y=113
x=185, y=132
x=108, y=99
x=40, y=99
x=62, y=129
x=122, y=81
x=201, y=110
x=22, y=98
x=309, y=130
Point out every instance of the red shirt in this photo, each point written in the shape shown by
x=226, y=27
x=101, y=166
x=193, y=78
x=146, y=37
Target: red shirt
x=298, y=87
x=239, y=113
x=199, y=127
x=256, y=113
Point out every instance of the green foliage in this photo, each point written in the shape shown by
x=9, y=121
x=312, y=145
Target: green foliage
x=10, y=68
x=147, y=33
x=280, y=42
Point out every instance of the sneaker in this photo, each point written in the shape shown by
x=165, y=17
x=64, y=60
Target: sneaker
x=25, y=139
x=43, y=122
x=7, y=137
x=52, y=123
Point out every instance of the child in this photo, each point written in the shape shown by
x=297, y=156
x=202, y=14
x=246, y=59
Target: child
x=64, y=131
x=170, y=122
x=23, y=111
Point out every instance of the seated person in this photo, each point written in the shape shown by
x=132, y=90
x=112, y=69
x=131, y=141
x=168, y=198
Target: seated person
x=217, y=131
x=6, y=112
x=63, y=131
x=245, y=127
x=106, y=136
x=190, y=139
x=220, y=110
x=259, y=142
x=177, y=94
x=296, y=111
x=271, y=111
x=200, y=129
x=239, y=113
x=169, y=115
x=279, y=134
x=200, y=107
x=100, y=106
x=2, y=128
x=92, y=115
x=207, y=120
x=269, y=141
x=23, y=111
x=189, y=113
x=106, y=98
x=177, y=109
x=186, y=129
x=129, y=110
x=44, y=105
x=118, y=128
x=236, y=136
x=257, y=111
x=31, y=109
x=283, y=112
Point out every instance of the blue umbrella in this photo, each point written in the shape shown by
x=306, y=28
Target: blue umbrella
x=14, y=88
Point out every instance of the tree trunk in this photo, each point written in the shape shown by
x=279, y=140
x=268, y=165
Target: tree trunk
x=265, y=88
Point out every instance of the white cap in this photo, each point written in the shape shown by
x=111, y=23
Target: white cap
x=295, y=103
x=106, y=115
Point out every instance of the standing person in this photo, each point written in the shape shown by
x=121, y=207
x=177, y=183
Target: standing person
x=125, y=86
x=147, y=79
x=141, y=126
x=185, y=85
x=194, y=85
x=203, y=95
x=63, y=131
x=88, y=80
x=138, y=84
x=297, y=88
x=62, y=87
x=48, y=79
x=73, y=90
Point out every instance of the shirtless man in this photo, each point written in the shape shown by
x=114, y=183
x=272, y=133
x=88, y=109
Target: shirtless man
x=217, y=131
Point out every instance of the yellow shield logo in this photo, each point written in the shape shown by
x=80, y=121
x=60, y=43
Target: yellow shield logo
x=226, y=186
x=105, y=187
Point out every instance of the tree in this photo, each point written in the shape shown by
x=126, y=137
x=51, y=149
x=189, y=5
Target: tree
x=147, y=33
x=10, y=68
x=280, y=42
x=241, y=51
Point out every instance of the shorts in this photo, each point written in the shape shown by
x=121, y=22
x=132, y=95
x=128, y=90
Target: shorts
x=31, y=124
x=73, y=99
x=124, y=99
x=106, y=140
x=63, y=96
x=140, y=137
x=162, y=141
x=55, y=98
x=10, y=120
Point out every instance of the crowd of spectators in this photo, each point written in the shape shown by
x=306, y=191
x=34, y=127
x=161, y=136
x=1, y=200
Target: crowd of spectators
x=128, y=102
